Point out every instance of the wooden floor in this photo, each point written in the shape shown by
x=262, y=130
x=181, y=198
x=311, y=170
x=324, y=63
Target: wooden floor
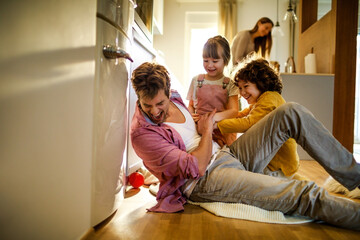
x=131, y=221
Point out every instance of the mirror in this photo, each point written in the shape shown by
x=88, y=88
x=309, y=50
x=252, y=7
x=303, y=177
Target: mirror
x=324, y=6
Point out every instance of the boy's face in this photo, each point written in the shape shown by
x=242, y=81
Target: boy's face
x=249, y=91
x=155, y=108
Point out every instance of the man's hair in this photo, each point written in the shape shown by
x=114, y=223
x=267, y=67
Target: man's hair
x=149, y=78
x=211, y=48
x=262, y=74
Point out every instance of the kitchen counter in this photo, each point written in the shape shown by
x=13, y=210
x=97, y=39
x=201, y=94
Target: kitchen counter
x=306, y=74
x=315, y=92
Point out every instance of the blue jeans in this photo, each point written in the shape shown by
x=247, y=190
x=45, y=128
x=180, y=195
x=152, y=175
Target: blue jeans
x=237, y=175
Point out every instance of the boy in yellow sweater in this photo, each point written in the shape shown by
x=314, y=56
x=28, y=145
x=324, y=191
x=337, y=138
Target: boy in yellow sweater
x=261, y=87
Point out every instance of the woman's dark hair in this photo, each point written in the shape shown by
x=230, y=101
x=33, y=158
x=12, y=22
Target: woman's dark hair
x=262, y=74
x=211, y=48
x=149, y=78
x=264, y=42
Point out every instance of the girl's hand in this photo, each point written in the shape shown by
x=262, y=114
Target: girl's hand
x=196, y=117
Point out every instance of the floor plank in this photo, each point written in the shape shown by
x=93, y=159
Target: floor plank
x=131, y=221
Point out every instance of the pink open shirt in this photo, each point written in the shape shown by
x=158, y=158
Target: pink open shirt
x=163, y=152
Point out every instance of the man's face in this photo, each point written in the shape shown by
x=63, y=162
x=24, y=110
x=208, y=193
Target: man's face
x=156, y=108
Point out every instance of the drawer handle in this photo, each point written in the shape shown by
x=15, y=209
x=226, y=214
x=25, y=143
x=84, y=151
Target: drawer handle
x=112, y=52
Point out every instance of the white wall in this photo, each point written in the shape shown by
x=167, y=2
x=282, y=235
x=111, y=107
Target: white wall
x=46, y=111
x=172, y=42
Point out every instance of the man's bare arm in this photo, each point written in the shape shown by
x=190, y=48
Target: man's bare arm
x=204, y=151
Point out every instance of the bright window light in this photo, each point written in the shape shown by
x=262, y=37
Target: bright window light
x=198, y=37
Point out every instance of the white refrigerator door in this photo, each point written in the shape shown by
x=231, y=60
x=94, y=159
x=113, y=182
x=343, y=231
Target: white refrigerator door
x=110, y=117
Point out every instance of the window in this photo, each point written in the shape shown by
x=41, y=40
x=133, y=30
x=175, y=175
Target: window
x=200, y=26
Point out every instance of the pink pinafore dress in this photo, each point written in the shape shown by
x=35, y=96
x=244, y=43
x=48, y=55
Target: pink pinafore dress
x=210, y=97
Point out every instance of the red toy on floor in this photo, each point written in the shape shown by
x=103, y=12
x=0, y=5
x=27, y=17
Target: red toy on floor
x=136, y=179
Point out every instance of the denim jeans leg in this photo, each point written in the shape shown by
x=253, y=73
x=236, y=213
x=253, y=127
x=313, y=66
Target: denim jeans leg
x=257, y=146
x=228, y=181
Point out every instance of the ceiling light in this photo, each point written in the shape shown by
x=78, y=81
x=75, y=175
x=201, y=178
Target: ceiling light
x=290, y=14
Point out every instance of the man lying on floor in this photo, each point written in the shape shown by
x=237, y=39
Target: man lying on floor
x=191, y=166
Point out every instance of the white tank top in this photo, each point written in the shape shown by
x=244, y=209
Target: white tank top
x=191, y=138
x=188, y=132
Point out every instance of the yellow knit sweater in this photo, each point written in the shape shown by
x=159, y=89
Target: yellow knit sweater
x=287, y=158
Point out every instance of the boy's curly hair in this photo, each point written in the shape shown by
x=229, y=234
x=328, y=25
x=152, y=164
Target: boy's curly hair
x=261, y=73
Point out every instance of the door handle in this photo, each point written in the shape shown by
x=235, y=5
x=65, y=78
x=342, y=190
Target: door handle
x=112, y=52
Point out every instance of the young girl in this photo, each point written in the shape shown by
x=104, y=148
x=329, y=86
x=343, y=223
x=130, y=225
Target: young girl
x=214, y=90
x=261, y=86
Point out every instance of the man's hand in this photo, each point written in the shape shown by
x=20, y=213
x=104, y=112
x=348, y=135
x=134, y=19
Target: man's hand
x=204, y=151
x=206, y=123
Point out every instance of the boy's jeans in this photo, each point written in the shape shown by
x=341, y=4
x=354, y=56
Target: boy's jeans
x=237, y=173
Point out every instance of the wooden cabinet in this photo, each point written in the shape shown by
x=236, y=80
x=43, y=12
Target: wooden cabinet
x=333, y=38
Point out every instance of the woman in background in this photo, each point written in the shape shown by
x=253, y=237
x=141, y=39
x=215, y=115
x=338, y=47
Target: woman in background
x=256, y=40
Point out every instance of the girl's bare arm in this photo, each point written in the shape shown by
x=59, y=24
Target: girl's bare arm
x=231, y=111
